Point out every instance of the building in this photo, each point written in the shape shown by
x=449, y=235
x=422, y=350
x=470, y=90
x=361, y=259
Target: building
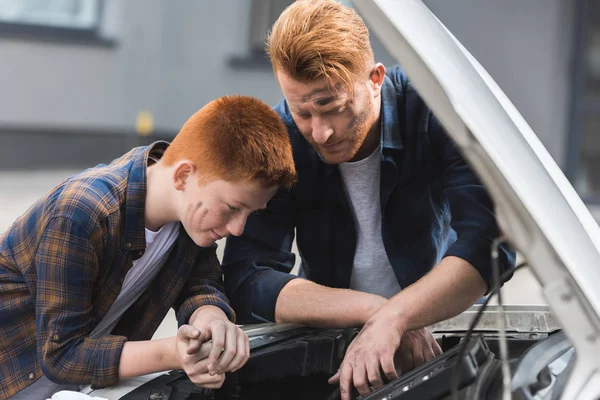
x=82, y=81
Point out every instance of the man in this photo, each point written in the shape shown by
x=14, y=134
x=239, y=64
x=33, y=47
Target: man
x=384, y=207
x=89, y=271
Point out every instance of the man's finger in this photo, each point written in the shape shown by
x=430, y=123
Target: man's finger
x=346, y=381
x=374, y=373
x=335, y=379
x=403, y=360
x=389, y=369
x=428, y=353
x=417, y=356
x=437, y=350
x=359, y=376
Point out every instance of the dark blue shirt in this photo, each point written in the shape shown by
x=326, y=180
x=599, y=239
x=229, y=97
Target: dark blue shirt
x=433, y=206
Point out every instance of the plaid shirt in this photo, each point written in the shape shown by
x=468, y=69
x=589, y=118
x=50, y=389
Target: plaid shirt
x=62, y=264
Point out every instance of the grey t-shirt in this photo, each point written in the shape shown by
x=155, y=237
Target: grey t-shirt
x=372, y=271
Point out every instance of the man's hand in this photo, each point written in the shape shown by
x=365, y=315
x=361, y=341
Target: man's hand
x=374, y=350
x=195, y=364
x=230, y=346
x=416, y=347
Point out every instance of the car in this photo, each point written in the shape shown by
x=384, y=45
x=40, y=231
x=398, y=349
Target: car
x=490, y=352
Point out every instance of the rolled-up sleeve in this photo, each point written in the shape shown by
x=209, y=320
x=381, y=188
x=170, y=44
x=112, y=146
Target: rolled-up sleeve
x=67, y=267
x=471, y=208
x=257, y=265
x=203, y=287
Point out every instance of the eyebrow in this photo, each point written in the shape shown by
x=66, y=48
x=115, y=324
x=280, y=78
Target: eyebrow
x=245, y=206
x=310, y=94
x=325, y=100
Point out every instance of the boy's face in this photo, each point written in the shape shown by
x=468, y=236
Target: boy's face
x=220, y=208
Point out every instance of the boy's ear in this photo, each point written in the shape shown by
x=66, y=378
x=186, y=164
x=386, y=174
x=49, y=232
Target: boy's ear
x=182, y=173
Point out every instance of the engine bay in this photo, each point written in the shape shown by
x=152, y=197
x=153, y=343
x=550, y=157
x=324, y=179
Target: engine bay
x=296, y=362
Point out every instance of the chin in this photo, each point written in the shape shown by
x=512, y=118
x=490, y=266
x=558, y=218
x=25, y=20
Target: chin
x=203, y=241
x=335, y=158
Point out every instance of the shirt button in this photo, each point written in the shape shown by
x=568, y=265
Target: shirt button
x=55, y=337
x=31, y=376
x=128, y=245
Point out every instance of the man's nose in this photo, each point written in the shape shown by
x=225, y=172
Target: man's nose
x=321, y=131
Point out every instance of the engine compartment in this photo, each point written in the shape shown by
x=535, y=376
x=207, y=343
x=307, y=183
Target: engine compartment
x=296, y=362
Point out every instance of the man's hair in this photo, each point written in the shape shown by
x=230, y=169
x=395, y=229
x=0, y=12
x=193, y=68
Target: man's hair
x=315, y=39
x=236, y=138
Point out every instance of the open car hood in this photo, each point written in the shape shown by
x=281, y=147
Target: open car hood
x=538, y=210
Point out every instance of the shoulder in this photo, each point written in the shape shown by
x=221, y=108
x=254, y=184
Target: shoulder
x=90, y=196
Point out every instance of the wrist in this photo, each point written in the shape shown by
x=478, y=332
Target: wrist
x=169, y=356
x=393, y=315
x=371, y=307
x=211, y=312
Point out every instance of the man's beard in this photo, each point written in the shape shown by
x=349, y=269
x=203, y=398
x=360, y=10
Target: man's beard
x=357, y=131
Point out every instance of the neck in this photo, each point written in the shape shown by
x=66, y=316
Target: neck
x=160, y=205
x=372, y=140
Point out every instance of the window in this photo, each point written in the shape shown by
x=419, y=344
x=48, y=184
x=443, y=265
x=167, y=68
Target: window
x=77, y=14
x=583, y=158
x=263, y=15
x=54, y=20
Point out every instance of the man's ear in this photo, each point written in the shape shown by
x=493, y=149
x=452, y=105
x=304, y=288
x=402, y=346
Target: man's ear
x=181, y=174
x=376, y=77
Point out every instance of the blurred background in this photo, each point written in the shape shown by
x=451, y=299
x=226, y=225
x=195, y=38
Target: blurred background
x=83, y=81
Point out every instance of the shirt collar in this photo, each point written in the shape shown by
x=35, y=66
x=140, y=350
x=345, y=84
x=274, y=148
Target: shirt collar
x=135, y=196
x=391, y=134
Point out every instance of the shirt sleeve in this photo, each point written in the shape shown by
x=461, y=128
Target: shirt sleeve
x=471, y=207
x=257, y=265
x=67, y=266
x=203, y=287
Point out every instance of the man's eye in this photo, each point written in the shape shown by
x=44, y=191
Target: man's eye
x=232, y=208
x=336, y=110
x=303, y=116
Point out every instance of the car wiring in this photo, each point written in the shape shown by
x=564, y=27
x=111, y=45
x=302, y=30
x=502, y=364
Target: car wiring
x=497, y=282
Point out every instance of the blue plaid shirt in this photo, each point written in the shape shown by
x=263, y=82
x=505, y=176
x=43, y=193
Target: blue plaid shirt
x=433, y=206
x=62, y=264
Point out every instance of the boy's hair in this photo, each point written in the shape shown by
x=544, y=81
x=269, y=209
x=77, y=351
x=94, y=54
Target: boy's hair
x=236, y=138
x=315, y=39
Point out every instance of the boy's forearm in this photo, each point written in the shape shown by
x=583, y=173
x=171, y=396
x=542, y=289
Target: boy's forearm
x=146, y=357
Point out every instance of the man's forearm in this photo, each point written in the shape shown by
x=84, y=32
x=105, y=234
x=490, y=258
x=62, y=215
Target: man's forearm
x=449, y=289
x=305, y=302
x=148, y=356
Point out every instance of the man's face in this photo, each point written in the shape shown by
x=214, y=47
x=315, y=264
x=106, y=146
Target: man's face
x=220, y=208
x=334, y=123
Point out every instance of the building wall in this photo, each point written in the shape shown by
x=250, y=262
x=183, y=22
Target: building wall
x=171, y=57
x=526, y=46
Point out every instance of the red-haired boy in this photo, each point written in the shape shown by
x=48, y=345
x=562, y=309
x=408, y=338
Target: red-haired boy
x=88, y=273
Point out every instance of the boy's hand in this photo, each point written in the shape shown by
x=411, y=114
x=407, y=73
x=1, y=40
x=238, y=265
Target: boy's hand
x=195, y=364
x=230, y=346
